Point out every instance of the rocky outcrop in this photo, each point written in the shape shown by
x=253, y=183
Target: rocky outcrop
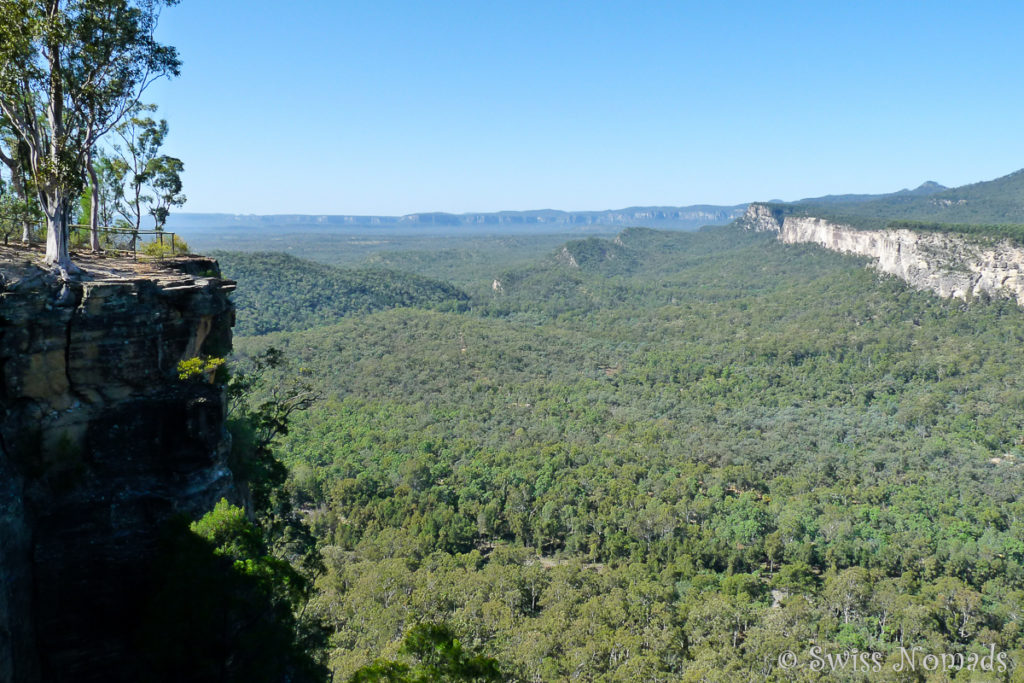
x=100, y=444
x=566, y=257
x=594, y=252
x=947, y=264
x=762, y=218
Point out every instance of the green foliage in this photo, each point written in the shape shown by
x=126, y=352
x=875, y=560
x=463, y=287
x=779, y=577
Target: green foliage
x=197, y=368
x=229, y=530
x=141, y=180
x=840, y=214
x=997, y=204
x=259, y=413
x=220, y=596
x=107, y=172
x=595, y=253
x=97, y=57
x=14, y=212
x=19, y=210
x=463, y=260
x=161, y=247
x=164, y=177
x=1011, y=231
x=729, y=449
x=438, y=656
x=232, y=588
x=234, y=536
x=280, y=292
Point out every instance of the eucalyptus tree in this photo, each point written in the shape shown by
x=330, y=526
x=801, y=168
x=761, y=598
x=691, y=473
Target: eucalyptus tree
x=20, y=208
x=145, y=181
x=101, y=195
x=94, y=199
x=140, y=141
x=165, y=181
x=103, y=186
x=7, y=222
x=70, y=71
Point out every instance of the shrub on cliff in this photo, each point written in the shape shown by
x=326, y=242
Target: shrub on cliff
x=223, y=608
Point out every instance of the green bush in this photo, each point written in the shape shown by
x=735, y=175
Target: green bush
x=162, y=248
x=199, y=368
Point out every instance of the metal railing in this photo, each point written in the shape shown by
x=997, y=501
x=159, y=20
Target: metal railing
x=133, y=243
x=11, y=226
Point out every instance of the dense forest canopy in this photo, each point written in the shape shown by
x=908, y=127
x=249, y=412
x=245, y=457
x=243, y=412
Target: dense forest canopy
x=281, y=292
x=645, y=456
x=668, y=457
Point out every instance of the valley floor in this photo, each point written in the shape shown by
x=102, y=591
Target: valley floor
x=673, y=458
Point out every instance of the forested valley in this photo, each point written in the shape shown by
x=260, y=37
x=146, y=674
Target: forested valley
x=658, y=456
x=513, y=445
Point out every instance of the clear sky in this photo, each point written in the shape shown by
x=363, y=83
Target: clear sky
x=383, y=107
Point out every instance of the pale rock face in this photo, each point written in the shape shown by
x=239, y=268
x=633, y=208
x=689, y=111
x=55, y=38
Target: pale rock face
x=947, y=264
x=761, y=218
x=566, y=257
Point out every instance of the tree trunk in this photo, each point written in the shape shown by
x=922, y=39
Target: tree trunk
x=14, y=164
x=54, y=196
x=57, y=236
x=19, y=190
x=138, y=215
x=94, y=209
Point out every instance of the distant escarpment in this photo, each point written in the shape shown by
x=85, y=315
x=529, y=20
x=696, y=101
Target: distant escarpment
x=544, y=220
x=101, y=443
x=950, y=265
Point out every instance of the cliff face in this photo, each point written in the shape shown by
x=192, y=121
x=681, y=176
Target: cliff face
x=100, y=445
x=949, y=265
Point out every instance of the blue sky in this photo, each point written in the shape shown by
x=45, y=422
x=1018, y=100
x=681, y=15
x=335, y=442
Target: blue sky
x=383, y=107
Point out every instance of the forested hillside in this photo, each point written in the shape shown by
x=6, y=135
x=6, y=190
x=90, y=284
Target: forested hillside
x=673, y=459
x=993, y=202
x=411, y=437
x=280, y=292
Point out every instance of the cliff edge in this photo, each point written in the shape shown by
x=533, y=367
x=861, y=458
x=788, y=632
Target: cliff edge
x=100, y=445
x=947, y=264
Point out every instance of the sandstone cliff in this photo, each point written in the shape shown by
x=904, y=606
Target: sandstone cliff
x=100, y=444
x=949, y=265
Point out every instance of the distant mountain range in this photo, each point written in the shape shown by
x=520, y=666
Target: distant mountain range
x=545, y=220
x=923, y=190
x=996, y=201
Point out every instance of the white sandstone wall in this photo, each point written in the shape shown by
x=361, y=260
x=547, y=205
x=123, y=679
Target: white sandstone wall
x=947, y=264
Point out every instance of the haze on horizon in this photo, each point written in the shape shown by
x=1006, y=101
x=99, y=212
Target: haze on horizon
x=394, y=108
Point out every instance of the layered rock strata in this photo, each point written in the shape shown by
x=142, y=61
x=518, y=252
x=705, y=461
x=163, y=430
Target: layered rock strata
x=100, y=445
x=949, y=265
